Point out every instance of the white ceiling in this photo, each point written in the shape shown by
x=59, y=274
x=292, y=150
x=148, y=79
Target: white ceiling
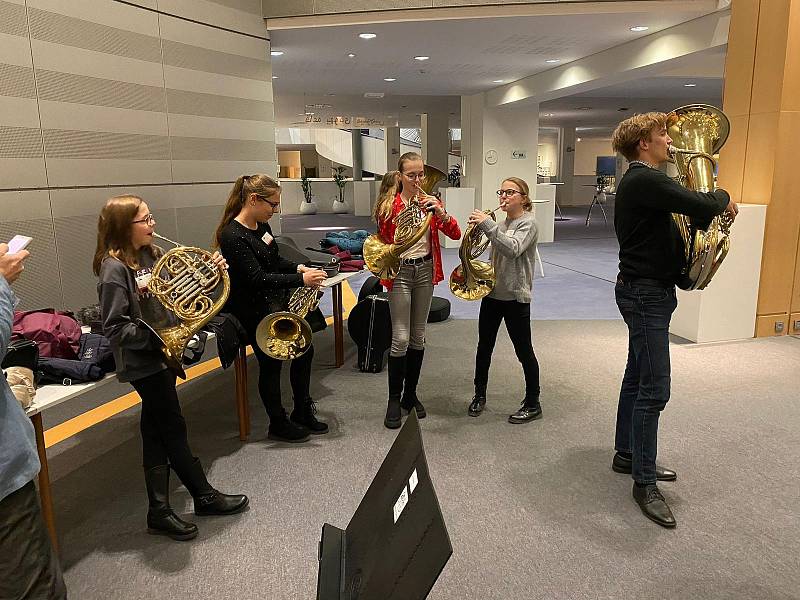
x=466, y=56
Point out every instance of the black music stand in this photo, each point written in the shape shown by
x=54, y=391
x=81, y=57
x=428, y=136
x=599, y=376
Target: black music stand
x=396, y=544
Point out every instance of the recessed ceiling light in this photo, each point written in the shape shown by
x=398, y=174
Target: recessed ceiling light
x=274, y=76
x=276, y=52
x=640, y=28
x=547, y=114
x=351, y=55
x=552, y=60
x=390, y=79
x=367, y=36
x=689, y=85
x=577, y=139
x=584, y=108
x=421, y=57
x=497, y=81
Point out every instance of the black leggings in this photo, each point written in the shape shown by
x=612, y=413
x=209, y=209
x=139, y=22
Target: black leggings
x=164, y=439
x=269, y=381
x=518, y=323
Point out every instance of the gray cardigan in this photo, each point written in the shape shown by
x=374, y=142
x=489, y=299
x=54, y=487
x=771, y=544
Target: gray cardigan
x=513, y=256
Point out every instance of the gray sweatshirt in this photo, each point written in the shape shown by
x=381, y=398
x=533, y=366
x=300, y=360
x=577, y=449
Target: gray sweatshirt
x=124, y=300
x=513, y=256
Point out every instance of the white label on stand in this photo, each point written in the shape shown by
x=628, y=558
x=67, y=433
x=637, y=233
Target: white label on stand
x=413, y=481
x=400, y=504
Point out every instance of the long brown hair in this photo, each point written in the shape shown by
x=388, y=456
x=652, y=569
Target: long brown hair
x=389, y=186
x=523, y=186
x=261, y=185
x=114, y=232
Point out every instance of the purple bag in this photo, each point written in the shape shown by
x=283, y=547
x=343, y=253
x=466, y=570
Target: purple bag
x=56, y=333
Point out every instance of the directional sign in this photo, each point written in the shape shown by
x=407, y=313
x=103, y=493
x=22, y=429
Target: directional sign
x=519, y=154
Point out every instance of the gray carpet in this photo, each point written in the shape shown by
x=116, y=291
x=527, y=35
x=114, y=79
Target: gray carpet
x=533, y=510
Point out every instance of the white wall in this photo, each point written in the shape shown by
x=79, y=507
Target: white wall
x=587, y=151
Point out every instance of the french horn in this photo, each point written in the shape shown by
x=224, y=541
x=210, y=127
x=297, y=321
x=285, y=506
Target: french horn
x=191, y=286
x=411, y=224
x=285, y=335
x=698, y=131
x=473, y=278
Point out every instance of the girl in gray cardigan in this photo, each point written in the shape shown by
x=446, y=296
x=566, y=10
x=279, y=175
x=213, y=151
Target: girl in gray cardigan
x=513, y=258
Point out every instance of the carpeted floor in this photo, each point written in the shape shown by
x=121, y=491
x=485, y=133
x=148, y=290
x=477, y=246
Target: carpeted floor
x=533, y=511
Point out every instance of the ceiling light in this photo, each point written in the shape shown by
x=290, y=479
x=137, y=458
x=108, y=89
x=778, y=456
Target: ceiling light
x=351, y=55
x=638, y=28
x=274, y=76
x=584, y=108
x=367, y=36
x=421, y=57
x=551, y=61
x=547, y=114
x=276, y=53
x=689, y=85
x=577, y=139
x=390, y=79
x=497, y=81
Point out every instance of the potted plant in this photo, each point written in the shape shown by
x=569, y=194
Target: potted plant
x=339, y=206
x=308, y=206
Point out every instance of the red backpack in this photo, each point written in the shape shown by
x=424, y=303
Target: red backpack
x=56, y=333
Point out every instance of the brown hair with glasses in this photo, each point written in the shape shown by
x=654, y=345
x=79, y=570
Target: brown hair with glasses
x=114, y=232
x=263, y=186
x=524, y=190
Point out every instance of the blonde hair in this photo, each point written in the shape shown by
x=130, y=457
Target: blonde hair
x=389, y=186
x=114, y=229
x=261, y=185
x=631, y=131
x=523, y=186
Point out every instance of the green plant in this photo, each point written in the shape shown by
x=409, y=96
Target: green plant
x=340, y=180
x=305, y=184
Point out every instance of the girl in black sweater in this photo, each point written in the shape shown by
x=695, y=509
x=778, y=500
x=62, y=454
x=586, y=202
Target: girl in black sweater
x=261, y=282
x=123, y=261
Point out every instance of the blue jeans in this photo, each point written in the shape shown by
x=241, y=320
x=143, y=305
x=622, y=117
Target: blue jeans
x=647, y=310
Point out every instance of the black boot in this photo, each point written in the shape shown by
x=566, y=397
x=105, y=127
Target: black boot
x=397, y=372
x=284, y=430
x=529, y=410
x=413, y=368
x=160, y=518
x=207, y=500
x=304, y=414
x=478, y=402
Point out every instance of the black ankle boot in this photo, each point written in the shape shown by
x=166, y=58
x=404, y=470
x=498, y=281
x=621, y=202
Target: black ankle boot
x=529, y=410
x=478, y=402
x=397, y=372
x=160, y=518
x=304, y=414
x=413, y=367
x=284, y=430
x=207, y=500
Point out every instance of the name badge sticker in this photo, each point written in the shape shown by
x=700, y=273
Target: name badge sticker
x=142, y=279
x=267, y=238
x=400, y=504
x=413, y=481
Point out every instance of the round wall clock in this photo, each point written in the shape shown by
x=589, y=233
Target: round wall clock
x=491, y=157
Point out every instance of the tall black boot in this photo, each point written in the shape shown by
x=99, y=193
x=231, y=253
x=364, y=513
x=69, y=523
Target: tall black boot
x=207, y=500
x=304, y=413
x=397, y=372
x=160, y=518
x=413, y=367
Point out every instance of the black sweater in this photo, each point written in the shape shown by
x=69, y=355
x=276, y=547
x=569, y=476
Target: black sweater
x=650, y=245
x=260, y=277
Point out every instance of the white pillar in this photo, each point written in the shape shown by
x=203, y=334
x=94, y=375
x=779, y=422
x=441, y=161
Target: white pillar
x=392, y=138
x=566, y=166
x=435, y=140
x=497, y=143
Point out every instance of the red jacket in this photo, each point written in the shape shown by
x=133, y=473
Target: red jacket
x=450, y=229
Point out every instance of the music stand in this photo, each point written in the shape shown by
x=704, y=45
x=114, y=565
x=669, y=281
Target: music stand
x=396, y=544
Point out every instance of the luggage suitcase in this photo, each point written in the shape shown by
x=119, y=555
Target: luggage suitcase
x=370, y=326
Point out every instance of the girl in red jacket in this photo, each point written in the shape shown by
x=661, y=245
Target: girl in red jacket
x=411, y=291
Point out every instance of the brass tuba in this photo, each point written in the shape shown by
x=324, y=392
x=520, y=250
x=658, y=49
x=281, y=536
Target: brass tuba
x=187, y=282
x=285, y=335
x=411, y=224
x=698, y=131
x=473, y=279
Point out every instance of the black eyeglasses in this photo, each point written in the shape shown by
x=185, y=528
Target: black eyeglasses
x=273, y=205
x=148, y=220
x=507, y=193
